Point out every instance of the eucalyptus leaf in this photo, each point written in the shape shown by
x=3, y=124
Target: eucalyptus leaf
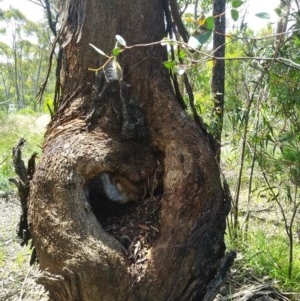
x=236, y=3
x=263, y=15
x=98, y=50
x=121, y=40
x=234, y=14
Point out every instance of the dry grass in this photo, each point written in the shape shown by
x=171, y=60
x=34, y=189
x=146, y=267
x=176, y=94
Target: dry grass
x=17, y=278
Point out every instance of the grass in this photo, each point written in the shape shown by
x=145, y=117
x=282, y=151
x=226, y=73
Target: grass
x=13, y=127
x=2, y=256
x=267, y=255
x=17, y=277
x=22, y=256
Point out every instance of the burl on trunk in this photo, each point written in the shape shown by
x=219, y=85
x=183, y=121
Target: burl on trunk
x=126, y=202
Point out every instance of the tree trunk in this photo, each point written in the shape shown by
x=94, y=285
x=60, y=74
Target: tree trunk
x=129, y=142
x=218, y=70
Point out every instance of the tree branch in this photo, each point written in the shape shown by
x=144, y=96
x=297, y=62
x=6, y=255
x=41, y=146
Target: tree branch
x=177, y=20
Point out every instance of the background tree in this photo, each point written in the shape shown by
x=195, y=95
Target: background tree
x=218, y=70
x=24, y=58
x=120, y=134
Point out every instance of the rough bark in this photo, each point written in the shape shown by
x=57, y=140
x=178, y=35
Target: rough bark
x=87, y=143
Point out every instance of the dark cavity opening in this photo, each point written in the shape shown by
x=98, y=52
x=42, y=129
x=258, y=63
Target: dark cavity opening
x=134, y=223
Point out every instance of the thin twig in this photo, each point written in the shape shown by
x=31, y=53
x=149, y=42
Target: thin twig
x=4, y=160
x=44, y=84
x=24, y=282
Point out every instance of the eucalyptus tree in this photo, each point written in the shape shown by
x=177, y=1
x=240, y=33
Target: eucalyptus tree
x=6, y=72
x=14, y=21
x=126, y=202
x=24, y=56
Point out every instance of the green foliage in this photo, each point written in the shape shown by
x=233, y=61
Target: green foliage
x=267, y=255
x=13, y=127
x=169, y=64
x=236, y=3
x=234, y=12
x=24, y=59
x=203, y=99
x=261, y=126
x=48, y=106
x=22, y=256
x=27, y=111
x=116, y=51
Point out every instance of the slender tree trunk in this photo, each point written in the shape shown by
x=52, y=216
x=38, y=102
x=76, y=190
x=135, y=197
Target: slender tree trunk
x=282, y=23
x=16, y=71
x=36, y=78
x=127, y=140
x=218, y=71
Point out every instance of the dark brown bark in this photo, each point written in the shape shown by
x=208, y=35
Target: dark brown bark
x=218, y=71
x=22, y=182
x=87, y=142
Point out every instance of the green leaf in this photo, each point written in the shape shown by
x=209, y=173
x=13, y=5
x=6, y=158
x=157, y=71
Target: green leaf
x=236, y=3
x=169, y=64
x=278, y=11
x=121, y=40
x=234, y=14
x=182, y=54
x=202, y=36
x=98, y=50
x=209, y=21
x=116, y=51
x=263, y=15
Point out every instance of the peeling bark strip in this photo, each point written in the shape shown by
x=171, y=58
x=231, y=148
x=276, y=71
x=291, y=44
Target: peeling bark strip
x=166, y=243
x=23, y=185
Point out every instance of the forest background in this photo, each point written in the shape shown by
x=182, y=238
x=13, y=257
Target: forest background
x=260, y=154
